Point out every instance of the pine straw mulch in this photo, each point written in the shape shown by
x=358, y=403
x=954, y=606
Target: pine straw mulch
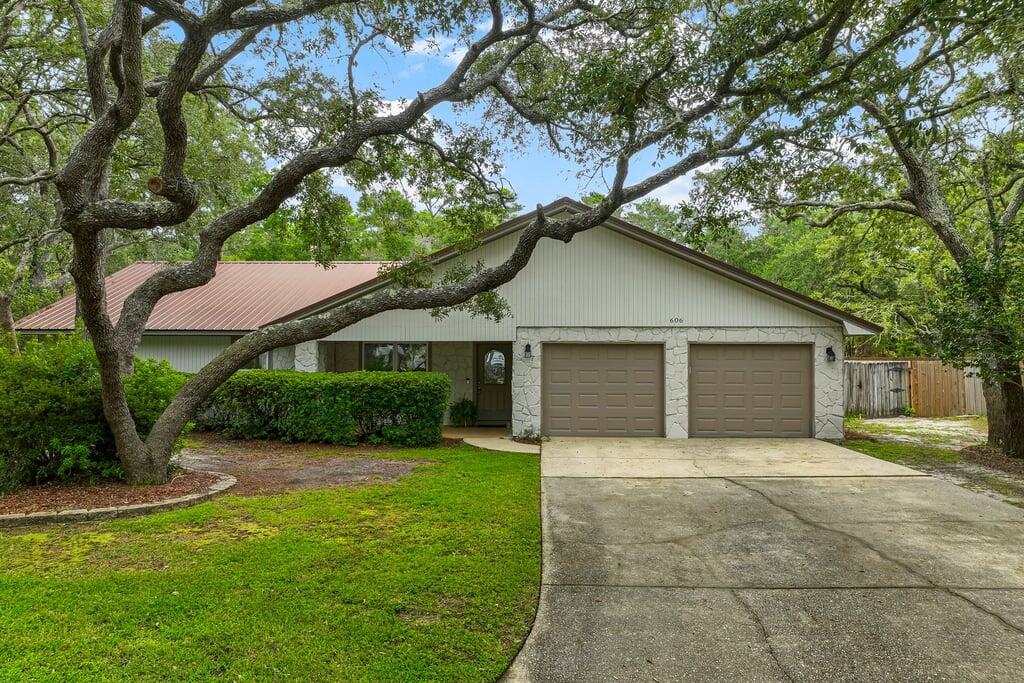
x=85, y=496
x=994, y=458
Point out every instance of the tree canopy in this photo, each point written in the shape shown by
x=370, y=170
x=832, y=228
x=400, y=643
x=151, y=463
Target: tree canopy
x=636, y=93
x=918, y=189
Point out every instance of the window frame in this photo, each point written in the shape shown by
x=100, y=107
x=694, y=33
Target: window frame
x=504, y=369
x=394, y=354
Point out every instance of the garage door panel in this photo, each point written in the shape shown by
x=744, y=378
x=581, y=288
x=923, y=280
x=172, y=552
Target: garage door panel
x=616, y=400
x=734, y=401
x=617, y=376
x=560, y=400
x=645, y=352
x=646, y=402
x=791, y=402
x=750, y=390
x=616, y=389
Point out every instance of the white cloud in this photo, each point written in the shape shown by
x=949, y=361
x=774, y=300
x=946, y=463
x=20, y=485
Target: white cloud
x=392, y=107
x=675, y=191
x=443, y=47
x=456, y=55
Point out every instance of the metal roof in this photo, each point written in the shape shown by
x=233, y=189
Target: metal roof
x=242, y=296
x=246, y=295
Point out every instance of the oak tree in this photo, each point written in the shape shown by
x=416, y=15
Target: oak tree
x=637, y=93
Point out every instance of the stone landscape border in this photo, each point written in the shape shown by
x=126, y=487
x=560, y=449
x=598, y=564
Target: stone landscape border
x=225, y=482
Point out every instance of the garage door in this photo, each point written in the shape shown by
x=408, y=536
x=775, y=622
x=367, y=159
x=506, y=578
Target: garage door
x=750, y=390
x=603, y=389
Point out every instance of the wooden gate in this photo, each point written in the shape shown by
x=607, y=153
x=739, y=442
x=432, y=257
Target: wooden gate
x=877, y=388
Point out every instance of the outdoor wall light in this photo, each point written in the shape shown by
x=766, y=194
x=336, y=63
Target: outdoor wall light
x=830, y=355
x=527, y=353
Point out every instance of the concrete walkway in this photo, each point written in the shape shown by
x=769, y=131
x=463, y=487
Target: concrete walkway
x=490, y=439
x=768, y=560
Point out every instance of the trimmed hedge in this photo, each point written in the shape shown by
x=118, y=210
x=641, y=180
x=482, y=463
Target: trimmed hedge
x=51, y=418
x=398, y=408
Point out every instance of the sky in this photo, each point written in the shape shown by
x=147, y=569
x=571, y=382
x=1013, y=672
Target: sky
x=538, y=176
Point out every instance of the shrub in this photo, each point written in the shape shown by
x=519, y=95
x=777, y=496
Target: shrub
x=463, y=413
x=51, y=419
x=399, y=408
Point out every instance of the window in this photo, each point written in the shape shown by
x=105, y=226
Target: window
x=400, y=356
x=494, y=367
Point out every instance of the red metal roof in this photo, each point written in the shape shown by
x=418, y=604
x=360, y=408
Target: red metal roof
x=242, y=296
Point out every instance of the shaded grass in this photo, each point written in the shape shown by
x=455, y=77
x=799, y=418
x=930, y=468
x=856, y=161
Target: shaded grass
x=904, y=453
x=1013, y=490
x=434, y=577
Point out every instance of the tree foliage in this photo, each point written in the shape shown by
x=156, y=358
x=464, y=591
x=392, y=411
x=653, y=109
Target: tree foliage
x=922, y=184
x=637, y=93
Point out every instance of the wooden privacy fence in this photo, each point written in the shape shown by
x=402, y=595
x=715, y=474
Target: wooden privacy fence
x=887, y=388
x=877, y=388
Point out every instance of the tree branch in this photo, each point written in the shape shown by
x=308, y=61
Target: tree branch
x=839, y=209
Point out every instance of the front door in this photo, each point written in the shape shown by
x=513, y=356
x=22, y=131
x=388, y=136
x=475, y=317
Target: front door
x=493, y=384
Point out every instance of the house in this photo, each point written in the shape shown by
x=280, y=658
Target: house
x=618, y=333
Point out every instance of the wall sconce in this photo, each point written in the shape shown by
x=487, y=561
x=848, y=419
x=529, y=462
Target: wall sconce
x=830, y=355
x=527, y=352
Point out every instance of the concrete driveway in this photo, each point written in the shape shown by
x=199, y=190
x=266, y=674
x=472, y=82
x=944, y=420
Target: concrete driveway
x=768, y=560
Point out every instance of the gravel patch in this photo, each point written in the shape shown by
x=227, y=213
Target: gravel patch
x=927, y=431
x=994, y=458
x=268, y=467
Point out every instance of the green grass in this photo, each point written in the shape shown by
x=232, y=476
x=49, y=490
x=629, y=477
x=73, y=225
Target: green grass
x=434, y=577
x=1014, y=490
x=977, y=422
x=904, y=453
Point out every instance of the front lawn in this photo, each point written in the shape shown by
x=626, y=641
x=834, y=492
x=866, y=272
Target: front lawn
x=432, y=577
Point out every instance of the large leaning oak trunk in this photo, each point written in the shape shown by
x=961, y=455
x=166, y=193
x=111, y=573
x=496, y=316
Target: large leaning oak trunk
x=1004, y=402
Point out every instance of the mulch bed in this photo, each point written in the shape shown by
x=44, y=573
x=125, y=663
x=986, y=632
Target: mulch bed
x=994, y=458
x=267, y=467
x=57, y=497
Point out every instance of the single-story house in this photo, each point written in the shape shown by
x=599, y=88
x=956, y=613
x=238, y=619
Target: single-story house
x=618, y=333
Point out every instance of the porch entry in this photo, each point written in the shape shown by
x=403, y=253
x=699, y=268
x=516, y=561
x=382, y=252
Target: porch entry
x=494, y=383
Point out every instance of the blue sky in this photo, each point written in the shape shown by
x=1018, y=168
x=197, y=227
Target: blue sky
x=537, y=175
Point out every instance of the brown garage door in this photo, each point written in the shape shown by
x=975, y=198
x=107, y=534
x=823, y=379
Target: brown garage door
x=750, y=390
x=603, y=389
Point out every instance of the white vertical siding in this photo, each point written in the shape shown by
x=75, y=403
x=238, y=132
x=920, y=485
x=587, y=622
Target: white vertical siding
x=601, y=278
x=188, y=353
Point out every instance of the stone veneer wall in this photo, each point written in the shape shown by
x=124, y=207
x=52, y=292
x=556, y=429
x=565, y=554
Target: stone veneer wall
x=283, y=358
x=828, y=376
x=310, y=356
